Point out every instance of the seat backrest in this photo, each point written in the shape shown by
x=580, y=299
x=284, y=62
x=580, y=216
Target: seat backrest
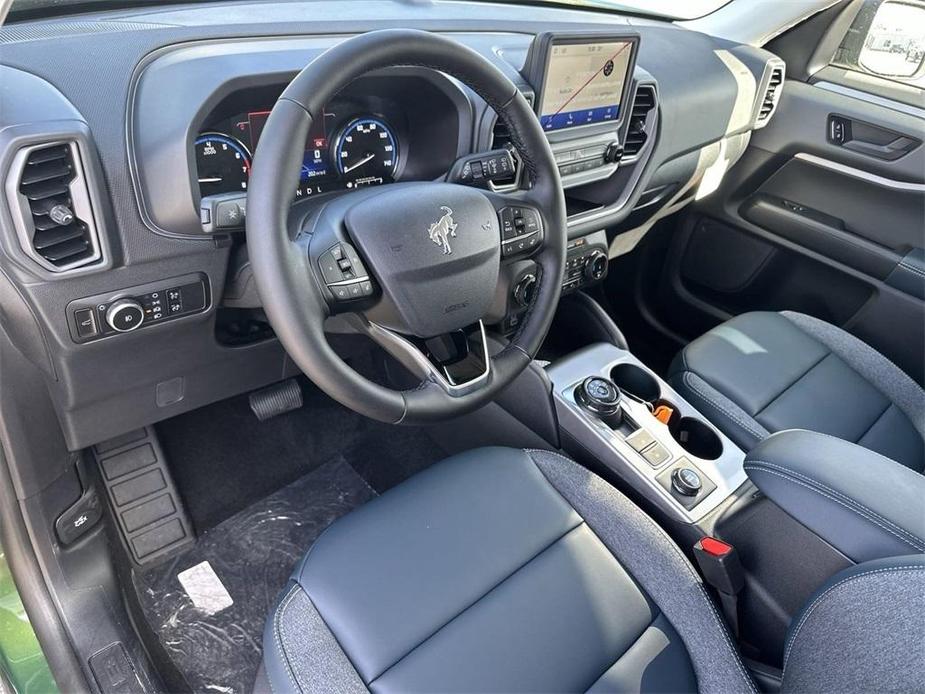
x=862, y=631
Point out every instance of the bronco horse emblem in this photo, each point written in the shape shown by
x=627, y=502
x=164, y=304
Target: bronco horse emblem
x=441, y=230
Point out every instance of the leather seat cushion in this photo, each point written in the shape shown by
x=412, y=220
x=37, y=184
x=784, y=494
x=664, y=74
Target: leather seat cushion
x=762, y=372
x=479, y=575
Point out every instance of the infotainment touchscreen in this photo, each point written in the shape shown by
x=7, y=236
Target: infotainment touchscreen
x=585, y=82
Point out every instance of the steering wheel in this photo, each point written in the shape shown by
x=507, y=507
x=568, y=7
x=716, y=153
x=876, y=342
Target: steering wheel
x=424, y=258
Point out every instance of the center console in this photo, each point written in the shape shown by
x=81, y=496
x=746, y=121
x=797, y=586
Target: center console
x=611, y=405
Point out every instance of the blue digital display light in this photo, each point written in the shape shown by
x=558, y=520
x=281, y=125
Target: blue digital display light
x=569, y=119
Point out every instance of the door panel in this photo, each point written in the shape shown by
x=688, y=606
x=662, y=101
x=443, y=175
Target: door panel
x=824, y=214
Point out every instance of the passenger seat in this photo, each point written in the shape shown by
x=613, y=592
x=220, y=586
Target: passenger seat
x=763, y=372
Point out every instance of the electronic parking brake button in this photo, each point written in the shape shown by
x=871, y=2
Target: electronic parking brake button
x=640, y=440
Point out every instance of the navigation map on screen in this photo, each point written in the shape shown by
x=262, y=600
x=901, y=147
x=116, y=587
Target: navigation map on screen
x=584, y=83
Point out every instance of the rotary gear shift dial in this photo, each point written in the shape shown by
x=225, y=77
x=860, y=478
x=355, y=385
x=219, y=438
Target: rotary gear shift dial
x=601, y=397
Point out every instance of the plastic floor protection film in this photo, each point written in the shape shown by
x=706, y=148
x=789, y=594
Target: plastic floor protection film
x=252, y=554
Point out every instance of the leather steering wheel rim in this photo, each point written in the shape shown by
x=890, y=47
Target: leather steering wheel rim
x=296, y=307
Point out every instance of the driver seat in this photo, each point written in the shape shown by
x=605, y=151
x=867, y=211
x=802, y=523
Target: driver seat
x=509, y=570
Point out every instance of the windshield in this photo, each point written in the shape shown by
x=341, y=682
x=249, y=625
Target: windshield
x=669, y=9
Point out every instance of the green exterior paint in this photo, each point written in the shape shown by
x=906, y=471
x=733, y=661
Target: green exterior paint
x=21, y=657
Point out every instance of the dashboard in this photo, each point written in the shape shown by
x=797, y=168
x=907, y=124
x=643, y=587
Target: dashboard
x=636, y=112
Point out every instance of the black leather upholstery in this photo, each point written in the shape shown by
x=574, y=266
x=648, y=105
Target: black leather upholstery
x=765, y=372
x=864, y=505
x=502, y=570
x=477, y=575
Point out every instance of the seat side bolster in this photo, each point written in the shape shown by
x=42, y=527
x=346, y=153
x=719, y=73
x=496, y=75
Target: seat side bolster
x=870, y=619
x=863, y=504
x=879, y=371
x=300, y=654
x=658, y=565
x=744, y=430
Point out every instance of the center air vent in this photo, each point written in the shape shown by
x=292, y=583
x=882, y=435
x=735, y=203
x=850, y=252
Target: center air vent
x=771, y=96
x=637, y=131
x=55, y=222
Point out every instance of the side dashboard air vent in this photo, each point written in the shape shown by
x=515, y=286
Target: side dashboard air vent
x=55, y=225
x=637, y=131
x=771, y=96
x=501, y=139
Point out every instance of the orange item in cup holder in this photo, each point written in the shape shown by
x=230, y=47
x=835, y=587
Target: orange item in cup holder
x=663, y=414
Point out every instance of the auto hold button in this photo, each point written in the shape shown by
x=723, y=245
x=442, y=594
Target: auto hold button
x=656, y=455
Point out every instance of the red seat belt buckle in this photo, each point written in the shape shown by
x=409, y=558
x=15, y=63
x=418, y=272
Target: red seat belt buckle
x=714, y=547
x=719, y=563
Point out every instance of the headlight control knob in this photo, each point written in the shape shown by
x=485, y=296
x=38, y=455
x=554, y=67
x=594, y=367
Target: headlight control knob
x=125, y=315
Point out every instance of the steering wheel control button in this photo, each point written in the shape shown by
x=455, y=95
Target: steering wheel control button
x=507, y=224
x=344, y=273
x=521, y=230
x=600, y=397
x=125, y=315
x=686, y=481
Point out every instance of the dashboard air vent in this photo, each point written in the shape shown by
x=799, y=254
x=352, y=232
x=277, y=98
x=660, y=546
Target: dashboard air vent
x=57, y=228
x=636, y=132
x=771, y=95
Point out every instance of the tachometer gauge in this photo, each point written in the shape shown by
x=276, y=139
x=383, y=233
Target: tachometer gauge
x=366, y=153
x=223, y=164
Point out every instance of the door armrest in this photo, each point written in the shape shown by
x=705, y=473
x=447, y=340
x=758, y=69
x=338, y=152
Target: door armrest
x=863, y=504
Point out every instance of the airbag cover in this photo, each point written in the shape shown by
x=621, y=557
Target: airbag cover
x=435, y=250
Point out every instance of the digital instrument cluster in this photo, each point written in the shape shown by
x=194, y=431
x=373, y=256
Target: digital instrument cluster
x=344, y=150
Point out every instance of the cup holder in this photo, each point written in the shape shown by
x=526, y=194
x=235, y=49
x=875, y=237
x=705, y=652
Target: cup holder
x=636, y=382
x=696, y=438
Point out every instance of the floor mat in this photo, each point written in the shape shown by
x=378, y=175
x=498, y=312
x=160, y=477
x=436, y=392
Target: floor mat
x=252, y=555
x=223, y=459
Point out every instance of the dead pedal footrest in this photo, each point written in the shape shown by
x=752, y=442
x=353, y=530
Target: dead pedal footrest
x=142, y=495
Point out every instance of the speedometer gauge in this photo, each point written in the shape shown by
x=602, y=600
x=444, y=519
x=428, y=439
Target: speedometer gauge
x=366, y=153
x=223, y=164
